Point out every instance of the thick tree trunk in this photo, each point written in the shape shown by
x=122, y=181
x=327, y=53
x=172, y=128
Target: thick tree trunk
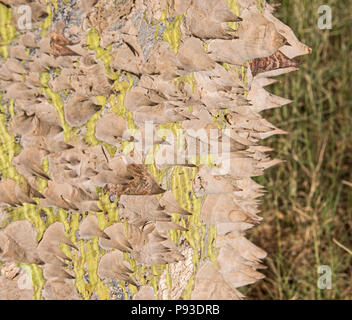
x=130, y=134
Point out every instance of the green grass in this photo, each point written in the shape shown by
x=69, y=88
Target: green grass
x=307, y=209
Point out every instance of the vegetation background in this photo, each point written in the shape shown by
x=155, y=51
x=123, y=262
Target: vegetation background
x=308, y=206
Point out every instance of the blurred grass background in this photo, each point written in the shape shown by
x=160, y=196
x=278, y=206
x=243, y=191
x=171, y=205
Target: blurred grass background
x=308, y=206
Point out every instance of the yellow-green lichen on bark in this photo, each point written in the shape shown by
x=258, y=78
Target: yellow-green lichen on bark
x=8, y=149
x=261, y=5
x=50, y=9
x=172, y=33
x=7, y=30
x=55, y=100
x=235, y=9
x=189, y=78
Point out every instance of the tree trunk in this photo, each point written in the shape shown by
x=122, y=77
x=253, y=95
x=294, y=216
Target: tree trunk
x=130, y=137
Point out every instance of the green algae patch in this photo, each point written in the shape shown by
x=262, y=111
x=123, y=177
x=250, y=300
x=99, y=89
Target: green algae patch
x=211, y=244
x=235, y=9
x=226, y=65
x=56, y=101
x=244, y=70
x=43, y=183
x=116, y=103
x=242, y=73
x=219, y=119
x=45, y=165
x=7, y=30
x=171, y=126
x=150, y=162
x=189, y=78
x=182, y=188
x=200, y=237
x=133, y=289
x=89, y=137
x=49, y=19
x=261, y=5
x=139, y=274
x=176, y=129
x=187, y=293
x=54, y=3
x=104, y=54
x=86, y=261
x=203, y=159
x=36, y=275
x=168, y=277
x=11, y=108
x=157, y=270
x=175, y=235
x=92, y=257
x=38, y=281
x=27, y=211
x=118, y=107
x=8, y=149
x=31, y=213
x=136, y=273
x=172, y=33
x=106, y=207
x=78, y=267
x=134, y=268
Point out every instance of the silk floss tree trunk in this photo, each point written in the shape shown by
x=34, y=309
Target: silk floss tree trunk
x=130, y=135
